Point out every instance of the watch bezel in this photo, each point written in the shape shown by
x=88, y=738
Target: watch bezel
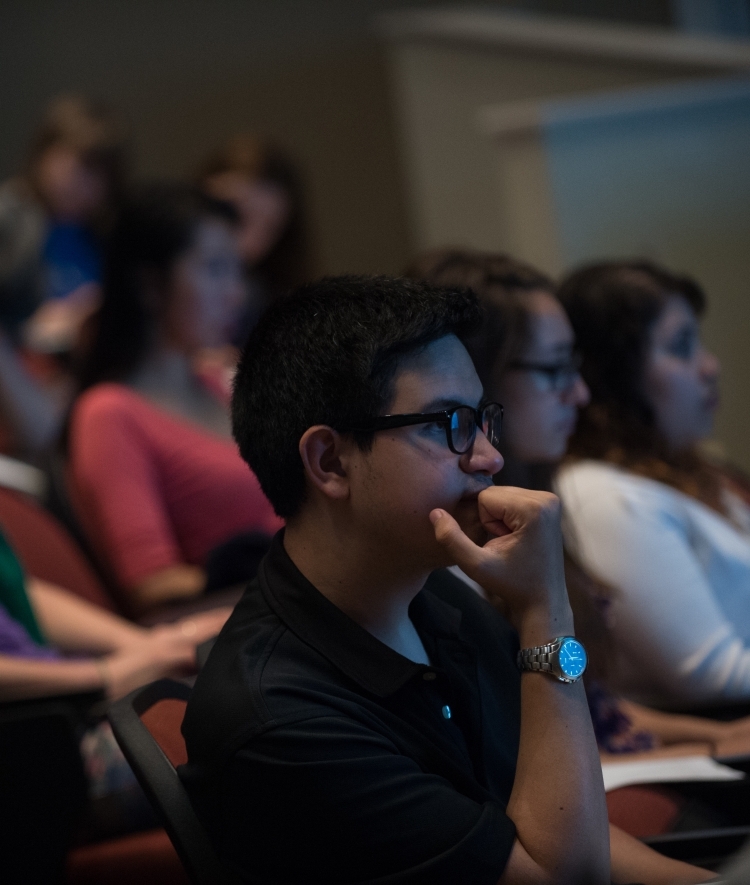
x=563, y=677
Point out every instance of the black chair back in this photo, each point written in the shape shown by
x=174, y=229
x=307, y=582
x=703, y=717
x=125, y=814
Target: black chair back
x=161, y=783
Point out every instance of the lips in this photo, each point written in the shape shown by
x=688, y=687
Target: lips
x=474, y=494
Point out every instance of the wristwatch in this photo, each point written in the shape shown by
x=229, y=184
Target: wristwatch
x=564, y=658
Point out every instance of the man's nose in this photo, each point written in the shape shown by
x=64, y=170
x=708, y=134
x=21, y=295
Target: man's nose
x=482, y=457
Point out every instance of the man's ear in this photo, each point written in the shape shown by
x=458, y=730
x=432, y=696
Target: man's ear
x=320, y=448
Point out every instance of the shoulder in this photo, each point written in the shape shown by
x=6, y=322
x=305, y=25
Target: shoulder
x=603, y=490
x=22, y=226
x=258, y=676
x=109, y=401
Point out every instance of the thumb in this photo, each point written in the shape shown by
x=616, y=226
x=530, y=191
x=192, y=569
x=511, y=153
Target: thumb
x=462, y=550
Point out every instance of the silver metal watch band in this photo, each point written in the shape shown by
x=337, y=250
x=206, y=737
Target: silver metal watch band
x=538, y=657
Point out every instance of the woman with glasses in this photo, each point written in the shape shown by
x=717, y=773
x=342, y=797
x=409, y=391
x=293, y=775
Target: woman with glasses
x=526, y=358
x=646, y=511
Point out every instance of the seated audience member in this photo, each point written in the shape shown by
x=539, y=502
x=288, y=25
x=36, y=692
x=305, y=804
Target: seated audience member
x=54, y=643
x=525, y=357
x=265, y=189
x=52, y=220
x=355, y=721
x=155, y=476
x=646, y=514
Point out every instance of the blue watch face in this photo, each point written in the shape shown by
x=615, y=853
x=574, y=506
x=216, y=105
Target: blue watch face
x=572, y=657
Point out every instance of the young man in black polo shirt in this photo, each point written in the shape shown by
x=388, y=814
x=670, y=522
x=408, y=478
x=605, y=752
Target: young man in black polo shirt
x=357, y=720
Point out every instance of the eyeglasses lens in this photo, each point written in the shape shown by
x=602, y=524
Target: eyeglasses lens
x=464, y=426
x=566, y=376
x=463, y=429
x=492, y=423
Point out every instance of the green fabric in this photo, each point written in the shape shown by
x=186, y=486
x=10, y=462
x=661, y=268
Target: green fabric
x=13, y=592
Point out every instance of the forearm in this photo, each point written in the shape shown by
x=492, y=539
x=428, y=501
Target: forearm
x=672, y=728
x=75, y=625
x=169, y=584
x=23, y=678
x=632, y=861
x=557, y=802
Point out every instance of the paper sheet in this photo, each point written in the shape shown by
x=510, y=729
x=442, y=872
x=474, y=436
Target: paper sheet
x=685, y=768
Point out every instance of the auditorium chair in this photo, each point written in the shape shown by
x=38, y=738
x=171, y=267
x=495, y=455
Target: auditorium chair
x=147, y=724
x=47, y=550
x=43, y=795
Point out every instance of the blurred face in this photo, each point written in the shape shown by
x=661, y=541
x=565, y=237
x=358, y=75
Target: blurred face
x=205, y=290
x=410, y=470
x=73, y=190
x=264, y=209
x=543, y=392
x=681, y=377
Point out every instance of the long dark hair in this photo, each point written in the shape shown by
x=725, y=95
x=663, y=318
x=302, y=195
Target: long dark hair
x=287, y=265
x=152, y=231
x=613, y=307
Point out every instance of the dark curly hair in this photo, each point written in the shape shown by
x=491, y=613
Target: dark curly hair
x=612, y=307
x=328, y=354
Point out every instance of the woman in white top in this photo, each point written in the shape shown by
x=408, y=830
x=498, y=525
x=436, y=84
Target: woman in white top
x=526, y=359
x=645, y=513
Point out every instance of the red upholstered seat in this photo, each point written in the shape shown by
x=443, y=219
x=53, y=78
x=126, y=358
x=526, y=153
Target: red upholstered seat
x=144, y=858
x=163, y=720
x=644, y=810
x=141, y=859
x=46, y=549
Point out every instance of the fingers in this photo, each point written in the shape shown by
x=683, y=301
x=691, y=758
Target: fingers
x=505, y=509
x=461, y=549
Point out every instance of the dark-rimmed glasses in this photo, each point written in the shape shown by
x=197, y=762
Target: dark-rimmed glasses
x=560, y=376
x=460, y=424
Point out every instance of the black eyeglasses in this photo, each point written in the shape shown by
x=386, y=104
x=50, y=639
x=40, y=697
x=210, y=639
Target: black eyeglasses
x=460, y=424
x=560, y=376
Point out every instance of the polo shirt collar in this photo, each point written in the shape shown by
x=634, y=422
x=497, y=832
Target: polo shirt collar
x=349, y=647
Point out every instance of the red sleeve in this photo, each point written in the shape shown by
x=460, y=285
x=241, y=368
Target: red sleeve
x=115, y=483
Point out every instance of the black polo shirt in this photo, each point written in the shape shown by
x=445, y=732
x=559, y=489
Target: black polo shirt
x=317, y=754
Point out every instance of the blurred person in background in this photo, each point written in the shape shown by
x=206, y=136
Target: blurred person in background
x=646, y=512
x=155, y=477
x=52, y=642
x=526, y=358
x=261, y=182
x=53, y=218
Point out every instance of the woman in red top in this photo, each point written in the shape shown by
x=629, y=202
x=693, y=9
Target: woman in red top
x=155, y=475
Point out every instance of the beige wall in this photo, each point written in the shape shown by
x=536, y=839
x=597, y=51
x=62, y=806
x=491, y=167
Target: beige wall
x=450, y=162
x=457, y=82
x=188, y=73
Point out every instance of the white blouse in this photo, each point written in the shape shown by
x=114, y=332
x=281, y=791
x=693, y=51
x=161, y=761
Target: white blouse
x=680, y=576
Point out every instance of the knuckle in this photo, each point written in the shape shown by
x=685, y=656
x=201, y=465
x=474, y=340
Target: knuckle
x=549, y=505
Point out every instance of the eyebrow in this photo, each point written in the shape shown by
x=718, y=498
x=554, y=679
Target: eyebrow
x=439, y=405
x=555, y=352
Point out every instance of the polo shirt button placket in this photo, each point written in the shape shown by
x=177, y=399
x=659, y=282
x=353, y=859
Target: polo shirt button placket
x=431, y=676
